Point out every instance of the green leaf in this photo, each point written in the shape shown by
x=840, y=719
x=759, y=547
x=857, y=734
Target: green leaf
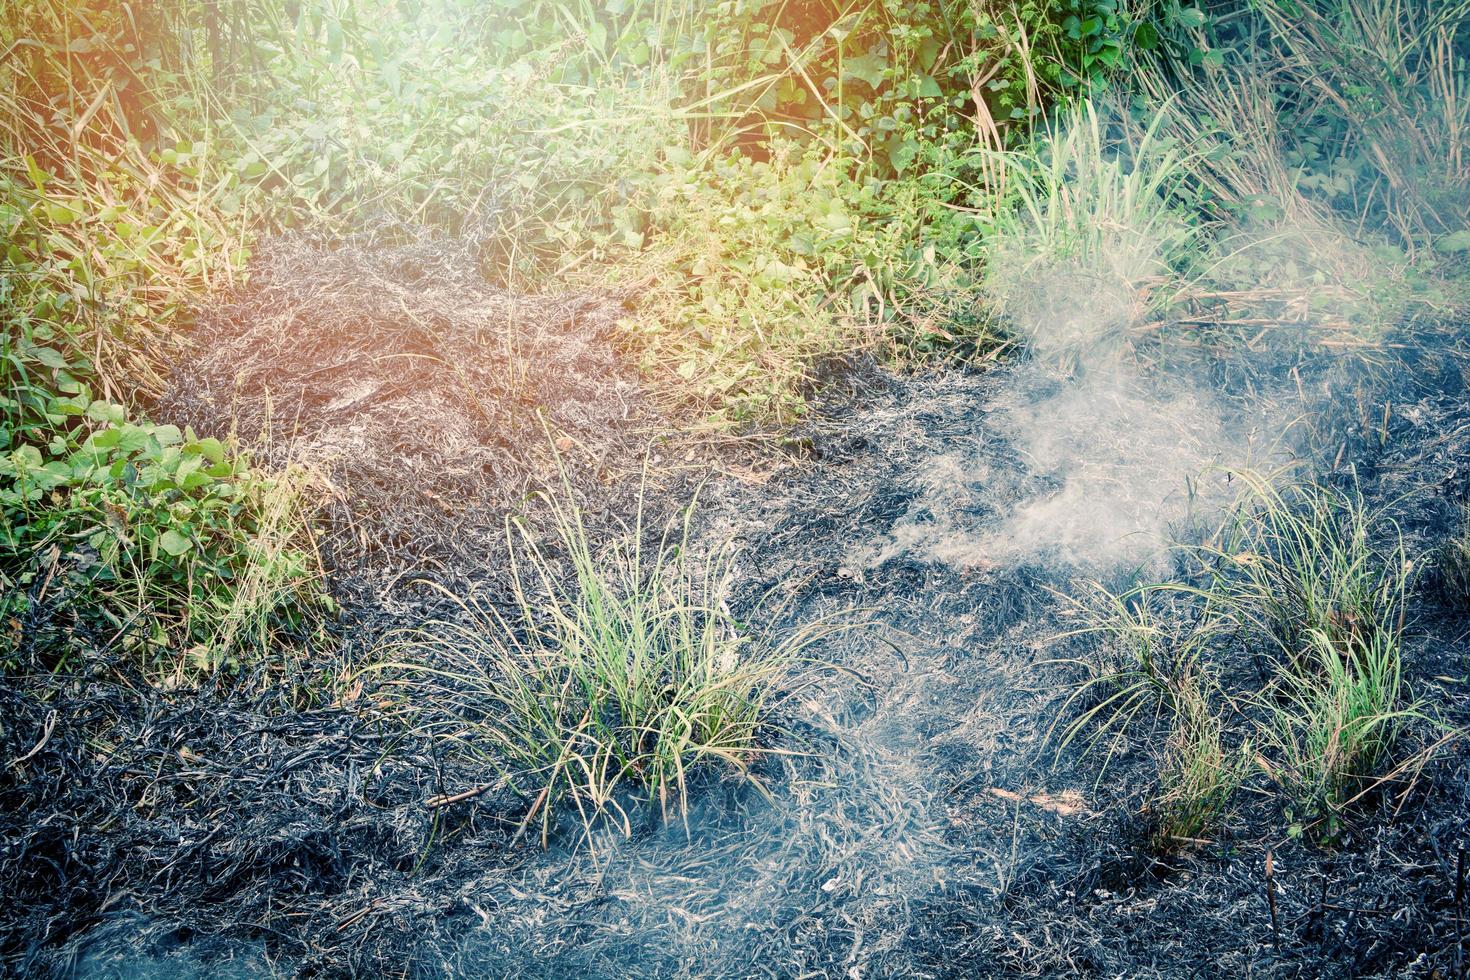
x=55, y=474
x=50, y=358
x=133, y=439
x=168, y=435
x=902, y=155
x=866, y=68
x=174, y=543
x=61, y=214
x=212, y=449
x=39, y=177
x=107, y=412
x=106, y=439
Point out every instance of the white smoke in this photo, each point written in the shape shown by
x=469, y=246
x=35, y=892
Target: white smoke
x=1117, y=455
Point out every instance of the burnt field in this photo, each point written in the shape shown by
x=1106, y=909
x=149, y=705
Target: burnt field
x=918, y=804
x=776, y=488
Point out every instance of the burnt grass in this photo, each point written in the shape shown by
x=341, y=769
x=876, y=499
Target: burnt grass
x=926, y=824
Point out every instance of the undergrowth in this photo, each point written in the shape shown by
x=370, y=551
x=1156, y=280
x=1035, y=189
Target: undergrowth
x=776, y=184
x=155, y=541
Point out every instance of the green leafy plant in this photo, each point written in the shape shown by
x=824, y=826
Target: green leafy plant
x=760, y=268
x=353, y=119
x=882, y=79
x=188, y=554
x=111, y=223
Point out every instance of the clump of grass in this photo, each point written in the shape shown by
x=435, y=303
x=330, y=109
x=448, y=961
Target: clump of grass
x=1092, y=215
x=1288, y=644
x=1301, y=571
x=1332, y=721
x=1153, y=660
x=618, y=673
x=1143, y=660
x=1200, y=772
x=1299, y=568
x=1300, y=574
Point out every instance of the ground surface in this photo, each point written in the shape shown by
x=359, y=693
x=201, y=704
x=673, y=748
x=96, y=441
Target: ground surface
x=926, y=824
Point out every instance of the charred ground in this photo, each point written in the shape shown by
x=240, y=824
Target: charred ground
x=928, y=822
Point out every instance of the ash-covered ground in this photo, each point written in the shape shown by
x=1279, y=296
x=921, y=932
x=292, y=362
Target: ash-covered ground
x=925, y=822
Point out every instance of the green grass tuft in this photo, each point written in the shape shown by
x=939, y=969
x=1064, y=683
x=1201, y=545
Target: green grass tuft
x=619, y=673
x=1284, y=648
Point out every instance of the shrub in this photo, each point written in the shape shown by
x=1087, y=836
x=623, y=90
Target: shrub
x=160, y=534
x=348, y=121
x=1323, y=108
x=884, y=79
x=1387, y=79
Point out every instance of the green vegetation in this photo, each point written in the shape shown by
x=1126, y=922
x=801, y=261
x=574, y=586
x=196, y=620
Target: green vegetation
x=789, y=185
x=160, y=541
x=1088, y=216
x=1302, y=572
x=1200, y=772
x=1317, y=143
x=619, y=675
x=1293, y=660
